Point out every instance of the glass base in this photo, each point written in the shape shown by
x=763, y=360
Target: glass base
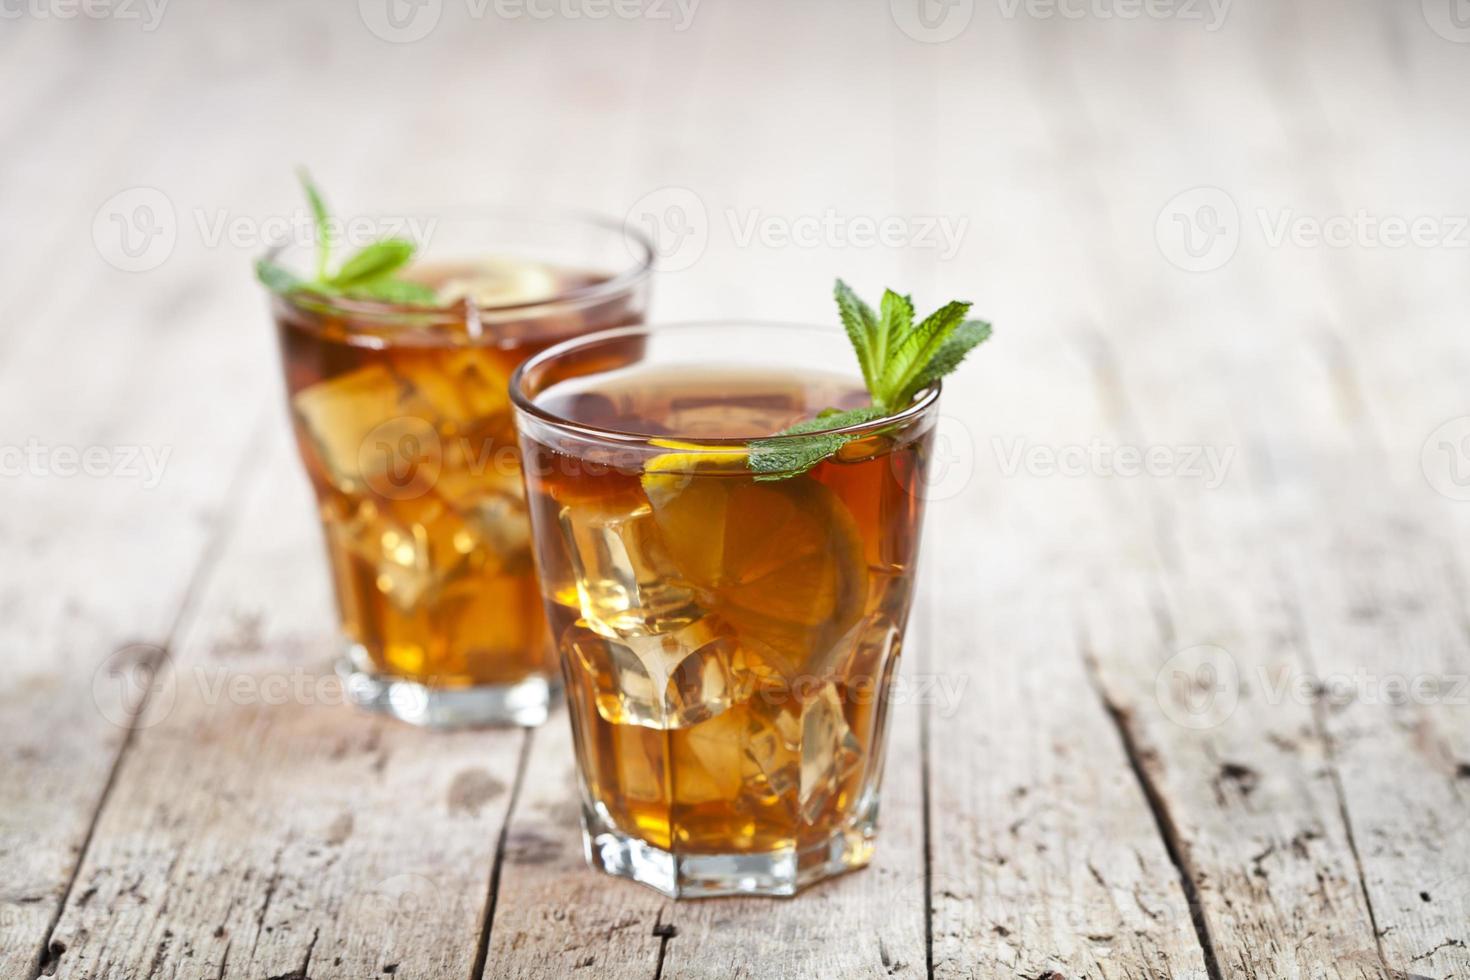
x=772, y=873
x=526, y=703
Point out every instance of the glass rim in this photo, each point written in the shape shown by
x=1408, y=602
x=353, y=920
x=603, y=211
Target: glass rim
x=639, y=268
x=922, y=403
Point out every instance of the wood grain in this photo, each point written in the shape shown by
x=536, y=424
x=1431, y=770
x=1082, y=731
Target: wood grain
x=554, y=916
x=1046, y=858
x=1189, y=649
x=1066, y=804
x=260, y=826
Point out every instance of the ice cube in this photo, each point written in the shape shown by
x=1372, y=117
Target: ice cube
x=711, y=760
x=495, y=618
x=500, y=521
x=829, y=751
x=413, y=549
x=492, y=508
x=776, y=748
x=468, y=388
x=773, y=745
x=397, y=557
x=626, y=583
x=664, y=681
x=369, y=430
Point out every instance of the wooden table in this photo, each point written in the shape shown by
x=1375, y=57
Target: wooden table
x=1207, y=720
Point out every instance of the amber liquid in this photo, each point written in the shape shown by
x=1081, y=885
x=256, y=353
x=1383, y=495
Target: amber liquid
x=726, y=643
x=406, y=433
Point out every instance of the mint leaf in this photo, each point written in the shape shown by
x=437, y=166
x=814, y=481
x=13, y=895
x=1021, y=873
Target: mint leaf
x=783, y=456
x=897, y=359
x=970, y=335
x=914, y=352
x=376, y=261
x=833, y=418
x=393, y=291
x=369, y=274
x=276, y=278
x=861, y=324
x=896, y=319
x=322, y=220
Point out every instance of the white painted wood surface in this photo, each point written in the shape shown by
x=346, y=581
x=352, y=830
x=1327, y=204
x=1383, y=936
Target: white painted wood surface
x=1076, y=798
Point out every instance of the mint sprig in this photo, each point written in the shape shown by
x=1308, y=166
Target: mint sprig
x=368, y=274
x=898, y=359
x=776, y=459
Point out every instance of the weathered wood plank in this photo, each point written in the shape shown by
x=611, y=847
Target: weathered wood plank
x=1361, y=603
x=1056, y=863
x=1187, y=647
x=553, y=914
x=1390, y=662
x=260, y=826
x=1045, y=856
x=1076, y=131
x=1213, y=579
x=176, y=361
x=116, y=552
x=1384, y=631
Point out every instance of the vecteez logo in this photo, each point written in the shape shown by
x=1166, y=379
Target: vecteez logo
x=676, y=221
x=135, y=230
x=1450, y=19
x=932, y=21
x=1445, y=459
x=400, y=21
x=1198, y=687
x=135, y=686
x=1211, y=14
x=147, y=12
x=407, y=21
x=1199, y=230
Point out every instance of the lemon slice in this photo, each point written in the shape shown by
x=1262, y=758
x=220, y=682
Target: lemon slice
x=781, y=561
x=686, y=495
x=499, y=282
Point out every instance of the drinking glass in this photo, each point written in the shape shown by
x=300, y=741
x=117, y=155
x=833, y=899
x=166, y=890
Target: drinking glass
x=402, y=417
x=728, y=638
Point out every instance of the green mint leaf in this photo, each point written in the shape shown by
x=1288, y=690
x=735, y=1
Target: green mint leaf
x=393, y=291
x=276, y=278
x=377, y=261
x=368, y=275
x=911, y=357
x=970, y=335
x=833, y=418
x=898, y=360
x=783, y=456
x=861, y=324
x=323, y=222
x=896, y=319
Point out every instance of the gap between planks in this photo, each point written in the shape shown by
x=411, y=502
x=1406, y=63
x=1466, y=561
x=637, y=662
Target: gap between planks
x=1163, y=820
x=1118, y=413
x=214, y=548
x=492, y=896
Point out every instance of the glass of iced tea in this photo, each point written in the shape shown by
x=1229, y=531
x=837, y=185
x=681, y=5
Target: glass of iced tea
x=727, y=641
x=403, y=420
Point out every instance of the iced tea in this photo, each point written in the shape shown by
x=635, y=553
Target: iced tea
x=727, y=642
x=403, y=421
